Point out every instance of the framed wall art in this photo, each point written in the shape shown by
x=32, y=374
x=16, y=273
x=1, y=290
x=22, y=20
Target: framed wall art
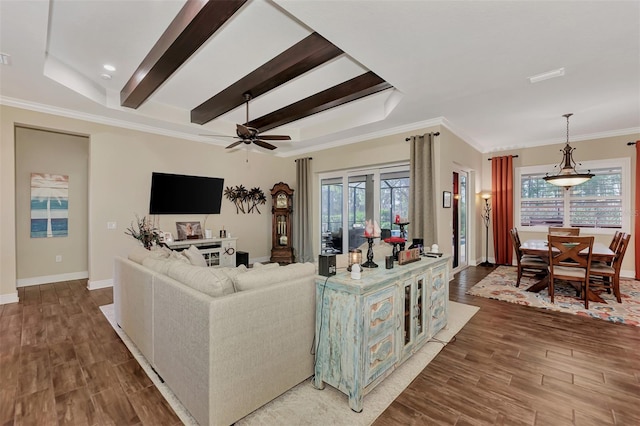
x=188, y=230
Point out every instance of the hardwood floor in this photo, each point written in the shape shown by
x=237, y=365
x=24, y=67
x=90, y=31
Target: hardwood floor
x=62, y=364
x=515, y=365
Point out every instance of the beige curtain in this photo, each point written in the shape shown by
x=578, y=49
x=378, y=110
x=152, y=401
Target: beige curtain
x=422, y=193
x=302, y=242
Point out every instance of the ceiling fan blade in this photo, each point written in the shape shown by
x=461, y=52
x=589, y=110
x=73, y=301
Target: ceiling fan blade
x=264, y=144
x=236, y=143
x=243, y=131
x=217, y=136
x=275, y=137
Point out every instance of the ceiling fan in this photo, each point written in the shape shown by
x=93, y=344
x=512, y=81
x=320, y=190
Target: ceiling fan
x=250, y=135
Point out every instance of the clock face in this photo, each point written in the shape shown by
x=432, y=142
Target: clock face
x=281, y=201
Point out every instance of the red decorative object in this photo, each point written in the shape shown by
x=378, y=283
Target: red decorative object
x=395, y=240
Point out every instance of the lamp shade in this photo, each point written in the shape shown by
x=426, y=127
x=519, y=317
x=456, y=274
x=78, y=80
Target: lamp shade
x=568, y=175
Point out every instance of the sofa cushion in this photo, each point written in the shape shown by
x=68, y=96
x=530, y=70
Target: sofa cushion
x=139, y=254
x=195, y=257
x=262, y=277
x=161, y=266
x=210, y=281
x=266, y=265
x=232, y=273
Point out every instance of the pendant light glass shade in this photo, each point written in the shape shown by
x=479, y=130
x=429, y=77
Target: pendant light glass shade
x=568, y=175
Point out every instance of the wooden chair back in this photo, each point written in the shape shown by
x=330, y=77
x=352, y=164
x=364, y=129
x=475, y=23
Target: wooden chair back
x=554, y=230
x=621, y=249
x=515, y=240
x=568, y=250
x=615, y=240
x=570, y=259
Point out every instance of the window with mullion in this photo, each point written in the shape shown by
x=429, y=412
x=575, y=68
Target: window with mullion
x=597, y=203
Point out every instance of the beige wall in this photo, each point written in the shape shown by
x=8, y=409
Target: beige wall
x=39, y=151
x=120, y=165
x=451, y=152
x=595, y=149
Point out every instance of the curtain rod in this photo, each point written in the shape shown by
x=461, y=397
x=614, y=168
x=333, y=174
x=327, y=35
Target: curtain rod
x=435, y=134
x=631, y=143
x=491, y=158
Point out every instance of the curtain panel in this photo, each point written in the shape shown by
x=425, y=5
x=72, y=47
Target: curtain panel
x=636, y=237
x=302, y=219
x=422, y=196
x=502, y=209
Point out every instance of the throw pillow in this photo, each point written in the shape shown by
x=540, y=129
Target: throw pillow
x=195, y=257
x=232, y=273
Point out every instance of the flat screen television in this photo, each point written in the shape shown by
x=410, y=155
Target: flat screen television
x=183, y=194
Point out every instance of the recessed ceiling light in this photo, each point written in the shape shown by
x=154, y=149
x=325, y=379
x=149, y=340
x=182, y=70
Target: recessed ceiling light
x=547, y=75
x=5, y=59
x=109, y=67
x=105, y=76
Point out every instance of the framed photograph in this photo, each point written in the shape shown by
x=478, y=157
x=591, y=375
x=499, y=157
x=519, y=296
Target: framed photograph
x=189, y=230
x=446, y=199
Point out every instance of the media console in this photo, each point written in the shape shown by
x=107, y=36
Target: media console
x=216, y=251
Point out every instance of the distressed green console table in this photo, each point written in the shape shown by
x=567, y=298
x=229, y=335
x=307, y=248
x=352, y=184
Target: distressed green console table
x=366, y=328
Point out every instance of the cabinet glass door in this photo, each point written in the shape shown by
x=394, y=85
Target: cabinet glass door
x=407, y=313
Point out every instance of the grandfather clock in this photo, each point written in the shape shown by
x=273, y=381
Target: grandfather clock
x=281, y=210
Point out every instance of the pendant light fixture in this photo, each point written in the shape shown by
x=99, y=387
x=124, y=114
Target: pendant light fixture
x=568, y=175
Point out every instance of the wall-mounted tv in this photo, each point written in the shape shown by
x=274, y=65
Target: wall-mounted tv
x=183, y=194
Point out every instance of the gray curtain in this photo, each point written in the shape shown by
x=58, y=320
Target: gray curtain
x=422, y=195
x=302, y=212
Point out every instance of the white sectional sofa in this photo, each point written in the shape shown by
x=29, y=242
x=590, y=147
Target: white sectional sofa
x=225, y=353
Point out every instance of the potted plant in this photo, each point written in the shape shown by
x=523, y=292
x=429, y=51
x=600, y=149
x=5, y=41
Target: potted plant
x=145, y=232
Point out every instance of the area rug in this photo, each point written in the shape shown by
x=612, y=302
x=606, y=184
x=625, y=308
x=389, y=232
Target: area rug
x=304, y=404
x=500, y=284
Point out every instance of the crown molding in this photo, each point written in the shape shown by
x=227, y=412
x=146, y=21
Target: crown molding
x=368, y=136
x=47, y=109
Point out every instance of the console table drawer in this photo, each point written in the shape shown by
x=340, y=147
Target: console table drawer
x=379, y=311
x=381, y=355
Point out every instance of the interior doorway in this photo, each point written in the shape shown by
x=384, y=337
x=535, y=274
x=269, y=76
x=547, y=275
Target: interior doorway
x=460, y=220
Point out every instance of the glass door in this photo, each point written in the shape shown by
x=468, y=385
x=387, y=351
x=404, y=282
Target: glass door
x=460, y=212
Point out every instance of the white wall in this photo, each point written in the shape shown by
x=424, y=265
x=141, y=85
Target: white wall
x=120, y=165
x=39, y=151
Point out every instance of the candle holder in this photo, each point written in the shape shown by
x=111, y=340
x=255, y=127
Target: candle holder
x=355, y=258
x=370, y=263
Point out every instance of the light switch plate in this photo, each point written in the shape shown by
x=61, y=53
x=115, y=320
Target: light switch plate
x=111, y=225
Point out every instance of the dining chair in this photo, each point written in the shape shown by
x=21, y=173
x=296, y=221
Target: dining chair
x=570, y=260
x=527, y=264
x=555, y=230
x=608, y=276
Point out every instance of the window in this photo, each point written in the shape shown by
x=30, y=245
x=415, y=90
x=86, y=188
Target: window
x=378, y=194
x=599, y=203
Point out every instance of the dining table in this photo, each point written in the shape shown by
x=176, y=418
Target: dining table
x=599, y=252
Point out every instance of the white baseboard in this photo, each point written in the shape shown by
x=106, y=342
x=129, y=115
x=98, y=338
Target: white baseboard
x=9, y=298
x=94, y=285
x=47, y=279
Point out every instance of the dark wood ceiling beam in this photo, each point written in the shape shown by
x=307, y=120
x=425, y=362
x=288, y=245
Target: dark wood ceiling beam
x=193, y=25
x=312, y=51
x=356, y=88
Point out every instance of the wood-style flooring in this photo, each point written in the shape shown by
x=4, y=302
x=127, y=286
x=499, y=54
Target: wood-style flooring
x=62, y=364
